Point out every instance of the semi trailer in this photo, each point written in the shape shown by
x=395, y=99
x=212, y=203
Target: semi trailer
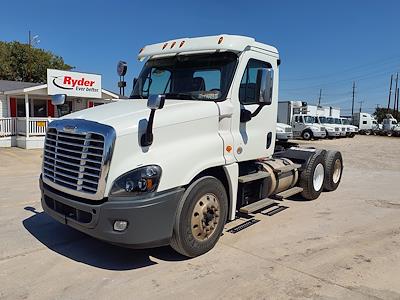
x=191, y=149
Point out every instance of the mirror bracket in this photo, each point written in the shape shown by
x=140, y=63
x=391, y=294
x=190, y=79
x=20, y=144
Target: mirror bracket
x=154, y=102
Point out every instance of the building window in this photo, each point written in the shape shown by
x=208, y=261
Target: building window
x=39, y=108
x=21, y=108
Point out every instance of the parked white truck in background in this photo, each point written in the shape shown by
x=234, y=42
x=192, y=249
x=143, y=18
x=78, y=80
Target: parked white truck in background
x=193, y=146
x=351, y=130
x=283, y=132
x=390, y=126
x=304, y=126
x=332, y=129
x=366, y=123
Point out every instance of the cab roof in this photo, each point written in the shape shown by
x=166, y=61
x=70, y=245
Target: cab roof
x=222, y=42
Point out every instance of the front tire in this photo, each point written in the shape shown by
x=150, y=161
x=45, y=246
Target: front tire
x=201, y=217
x=307, y=135
x=312, y=177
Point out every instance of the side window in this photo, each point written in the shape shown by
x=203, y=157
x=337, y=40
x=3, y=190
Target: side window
x=247, y=90
x=296, y=119
x=364, y=122
x=301, y=119
x=158, y=82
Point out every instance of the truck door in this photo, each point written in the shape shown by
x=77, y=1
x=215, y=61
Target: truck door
x=254, y=138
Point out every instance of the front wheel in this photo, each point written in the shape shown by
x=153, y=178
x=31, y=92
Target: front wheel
x=200, y=218
x=307, y=135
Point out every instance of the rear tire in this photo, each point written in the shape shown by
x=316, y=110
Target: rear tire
x=333, y=170
x=307, y=135
x=200, y=218
x=312, y=177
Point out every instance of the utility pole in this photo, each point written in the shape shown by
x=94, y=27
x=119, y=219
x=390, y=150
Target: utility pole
x=352, y=103
x=396, y=95
x=319, y=99
x=390, y=91
x=397, y=105
x=361, y=102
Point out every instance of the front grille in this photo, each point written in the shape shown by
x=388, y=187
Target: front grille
x=336, y=129
x=322, y=128
x=288, y=129
x=73, y=160
x=343, y=129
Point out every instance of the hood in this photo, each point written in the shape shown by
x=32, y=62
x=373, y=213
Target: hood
x=125, y=115
x=282, y=126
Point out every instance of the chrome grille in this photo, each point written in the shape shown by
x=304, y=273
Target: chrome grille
x=76, y=157
x=322, y=128
x=288, y=129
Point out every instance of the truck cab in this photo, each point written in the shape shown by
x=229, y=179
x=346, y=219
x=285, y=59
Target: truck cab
x=390, y=126
x=283, y=132
x=307, y=127
x=332, y=130
x=191, y=148
x=351, y=130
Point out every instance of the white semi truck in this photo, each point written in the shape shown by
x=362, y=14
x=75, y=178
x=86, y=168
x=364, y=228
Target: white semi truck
x=390, y=126
x=192, y=147
x=366, y=123
x=303, y=124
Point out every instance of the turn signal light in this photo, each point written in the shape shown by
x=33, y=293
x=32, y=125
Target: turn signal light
x=173, y=44
x=220, y=40
x=181, y=44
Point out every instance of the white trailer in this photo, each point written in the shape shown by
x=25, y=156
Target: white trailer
x=192, y=148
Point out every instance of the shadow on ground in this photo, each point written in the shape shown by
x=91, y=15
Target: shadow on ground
x=85, y=249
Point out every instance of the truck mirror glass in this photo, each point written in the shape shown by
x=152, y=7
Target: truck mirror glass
x=264, y=86
x=156, y=102
x=58, y=99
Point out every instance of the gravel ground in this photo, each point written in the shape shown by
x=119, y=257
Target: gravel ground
x=344, y=245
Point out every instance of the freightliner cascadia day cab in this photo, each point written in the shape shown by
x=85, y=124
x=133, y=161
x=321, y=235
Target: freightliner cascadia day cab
x=192, y=147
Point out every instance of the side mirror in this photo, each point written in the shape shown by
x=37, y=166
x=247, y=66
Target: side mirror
x=264, y=86
x=156, y=102
x=58, y=99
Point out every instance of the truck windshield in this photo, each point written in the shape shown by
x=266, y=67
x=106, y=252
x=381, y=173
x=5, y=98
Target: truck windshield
x=337, y=121
x=345, y=122
x=309, y=119
x=322, y=120
x=204, y=77
x=330, y=121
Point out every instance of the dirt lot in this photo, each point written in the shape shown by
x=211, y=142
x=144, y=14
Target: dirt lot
x=344, y=245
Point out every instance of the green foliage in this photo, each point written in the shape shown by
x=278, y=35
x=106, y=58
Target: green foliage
x=380, y=113
x=20, y=62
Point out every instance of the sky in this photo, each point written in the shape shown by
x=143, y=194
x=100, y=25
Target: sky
x=323, y=44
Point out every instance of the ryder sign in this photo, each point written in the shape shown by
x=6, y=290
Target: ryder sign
x=73, y=83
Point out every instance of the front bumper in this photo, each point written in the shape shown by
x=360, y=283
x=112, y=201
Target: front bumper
x=333, y=133
x=284, y=136
x=319, y=134
x=150, y=219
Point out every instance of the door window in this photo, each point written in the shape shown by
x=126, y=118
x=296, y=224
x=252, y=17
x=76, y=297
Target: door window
x=248, y=85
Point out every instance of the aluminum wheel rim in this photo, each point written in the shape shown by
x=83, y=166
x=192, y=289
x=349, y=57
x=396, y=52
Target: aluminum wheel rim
x=318, y=177
x=337, y=171
x=205, y=217
x=307, y=135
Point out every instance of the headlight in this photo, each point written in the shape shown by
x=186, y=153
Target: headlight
x=279, y=130
x=136, y=182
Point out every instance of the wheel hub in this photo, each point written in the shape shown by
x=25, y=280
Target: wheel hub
x=337, y=171
x=318, y=177
x=205, y=217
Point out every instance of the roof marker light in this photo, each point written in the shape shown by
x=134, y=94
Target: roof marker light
x=220, y=40
x=181, y=44
x=165, y=45
x=141, y=50
x=173, y=44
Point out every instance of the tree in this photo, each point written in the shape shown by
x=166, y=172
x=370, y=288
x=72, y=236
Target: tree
x=21, y=62
x=380, y=114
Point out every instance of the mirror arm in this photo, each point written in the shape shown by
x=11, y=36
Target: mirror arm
x=259, y=108
x=147, y=138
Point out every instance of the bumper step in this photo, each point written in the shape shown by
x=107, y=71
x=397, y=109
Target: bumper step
x=253, y=177
x=288, y=193
x=261, y=204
